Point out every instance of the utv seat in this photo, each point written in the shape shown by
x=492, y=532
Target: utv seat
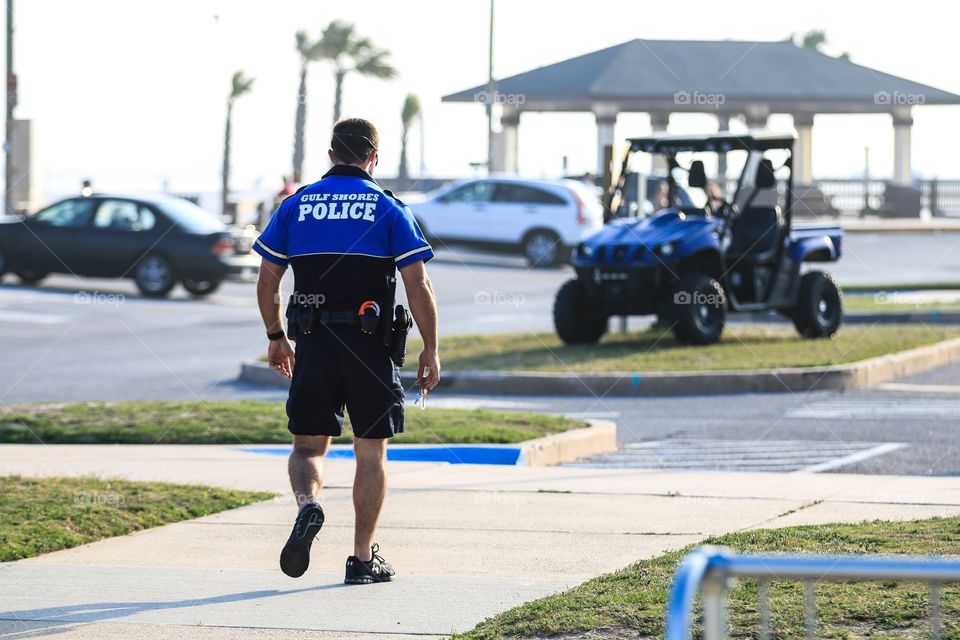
x=755, y=234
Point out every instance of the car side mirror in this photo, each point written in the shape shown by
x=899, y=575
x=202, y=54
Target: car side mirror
x=697, y=176
x=765, y=177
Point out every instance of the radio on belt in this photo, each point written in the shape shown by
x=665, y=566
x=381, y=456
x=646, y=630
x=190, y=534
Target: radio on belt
x=369, y=316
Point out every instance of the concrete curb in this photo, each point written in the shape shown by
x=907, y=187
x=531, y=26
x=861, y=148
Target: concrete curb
x=666, y=383
x=599, y=437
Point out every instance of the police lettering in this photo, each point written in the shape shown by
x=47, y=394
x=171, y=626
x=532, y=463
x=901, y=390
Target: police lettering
x=338, y=206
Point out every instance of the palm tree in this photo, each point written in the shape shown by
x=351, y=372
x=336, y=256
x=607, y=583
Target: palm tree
x=814, y=39
x=347, y=51
x=411, y=109
x=239, y=86
x=309, y=52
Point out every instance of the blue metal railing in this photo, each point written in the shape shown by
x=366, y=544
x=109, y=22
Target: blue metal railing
x=709, y=570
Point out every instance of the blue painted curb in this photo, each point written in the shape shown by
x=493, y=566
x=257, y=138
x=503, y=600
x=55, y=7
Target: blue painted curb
x=452, y=454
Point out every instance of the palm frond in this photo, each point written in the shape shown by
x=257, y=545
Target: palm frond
x=411, y=109
x=240, y=85
x=375, y=64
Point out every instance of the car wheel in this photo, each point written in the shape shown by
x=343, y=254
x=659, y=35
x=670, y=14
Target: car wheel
x=201, y=288
x=576, y=320
x=698, y=310
x=819, y=309
x=542, y=249
x=154, y=276
x=29, y=276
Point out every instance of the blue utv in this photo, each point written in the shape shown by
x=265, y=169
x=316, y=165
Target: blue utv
x=736, y=250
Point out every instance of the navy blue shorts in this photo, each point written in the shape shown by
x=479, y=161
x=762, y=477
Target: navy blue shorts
x=338, y=366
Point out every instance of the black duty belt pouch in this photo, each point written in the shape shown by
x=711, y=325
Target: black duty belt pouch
x=402, y=322
x=293, y=321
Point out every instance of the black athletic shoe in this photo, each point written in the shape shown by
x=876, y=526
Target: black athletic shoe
x=376, y=570
x=295, y=557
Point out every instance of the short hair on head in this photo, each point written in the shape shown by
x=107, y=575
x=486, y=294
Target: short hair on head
x=353, y=139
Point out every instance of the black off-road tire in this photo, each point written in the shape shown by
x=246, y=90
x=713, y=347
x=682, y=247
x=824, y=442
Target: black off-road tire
x=576, y=320
x=698, y=310
x=819, y=309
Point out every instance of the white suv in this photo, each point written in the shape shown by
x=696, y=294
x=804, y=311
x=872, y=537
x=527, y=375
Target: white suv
x=543, y=219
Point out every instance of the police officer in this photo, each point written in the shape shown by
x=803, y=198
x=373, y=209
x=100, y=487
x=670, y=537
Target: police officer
x=345, y=238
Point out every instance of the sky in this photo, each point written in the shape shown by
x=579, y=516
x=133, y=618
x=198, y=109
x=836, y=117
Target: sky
x=133, y=94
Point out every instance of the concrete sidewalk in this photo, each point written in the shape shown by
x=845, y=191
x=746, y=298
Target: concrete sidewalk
x=468, y=542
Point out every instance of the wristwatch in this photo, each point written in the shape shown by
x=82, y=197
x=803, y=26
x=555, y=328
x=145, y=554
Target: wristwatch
x=276, y=336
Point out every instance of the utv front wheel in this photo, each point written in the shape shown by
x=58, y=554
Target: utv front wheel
x=698, y=310
x=576, y=320
x=819, y=309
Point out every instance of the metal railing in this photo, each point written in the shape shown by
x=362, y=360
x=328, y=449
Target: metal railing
x=709, y=571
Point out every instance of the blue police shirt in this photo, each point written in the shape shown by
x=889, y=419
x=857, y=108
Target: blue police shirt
x=344, y=237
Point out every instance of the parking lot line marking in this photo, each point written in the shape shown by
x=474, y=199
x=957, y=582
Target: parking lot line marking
x=35, y=318
x=878, y=450
x=686, y=454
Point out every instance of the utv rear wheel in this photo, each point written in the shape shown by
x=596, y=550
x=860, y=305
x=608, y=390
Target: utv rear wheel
x=698, y=310
x=576, y=320
x=819, y=309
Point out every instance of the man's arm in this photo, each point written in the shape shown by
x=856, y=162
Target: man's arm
x=280, y=352
x=423, y=306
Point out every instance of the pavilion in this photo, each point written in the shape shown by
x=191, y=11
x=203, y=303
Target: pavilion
x=727, y=78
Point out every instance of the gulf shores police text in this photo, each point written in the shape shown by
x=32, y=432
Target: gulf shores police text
x=341, y=206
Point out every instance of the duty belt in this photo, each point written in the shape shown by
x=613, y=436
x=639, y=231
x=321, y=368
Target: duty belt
x=336, y=317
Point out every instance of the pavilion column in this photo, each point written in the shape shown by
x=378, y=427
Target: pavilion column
x=659, y=121
x=507, y=148
x=902, y=125
x=803, y=151
x=723, y=124
x=606, y=122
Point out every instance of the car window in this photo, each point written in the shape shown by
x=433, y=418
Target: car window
x=480, y=191
x=124, y=215
x=69, y=213
x=523, y=194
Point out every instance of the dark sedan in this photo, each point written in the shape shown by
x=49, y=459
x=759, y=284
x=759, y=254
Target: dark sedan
x=155, y=241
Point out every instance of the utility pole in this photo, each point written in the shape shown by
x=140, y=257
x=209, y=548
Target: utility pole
x=491, y=96
x=8, y=204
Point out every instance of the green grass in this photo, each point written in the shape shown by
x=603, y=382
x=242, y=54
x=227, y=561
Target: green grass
x=633, y=600
x=741, y=347
x=891, y=303
x=907, y=286
x=245, y=422
x=40, y=515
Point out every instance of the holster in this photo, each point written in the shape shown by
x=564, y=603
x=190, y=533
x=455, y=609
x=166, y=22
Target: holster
x=300, y=319
x=402, y=322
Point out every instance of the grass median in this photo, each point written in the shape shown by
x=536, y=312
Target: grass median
x=632, y=602
x=742, y=347
x=246, y=422
x=912, y=302
x=40, y=515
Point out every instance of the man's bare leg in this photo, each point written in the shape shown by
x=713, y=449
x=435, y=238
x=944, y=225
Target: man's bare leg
x=306, y=467
x=369, y=489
